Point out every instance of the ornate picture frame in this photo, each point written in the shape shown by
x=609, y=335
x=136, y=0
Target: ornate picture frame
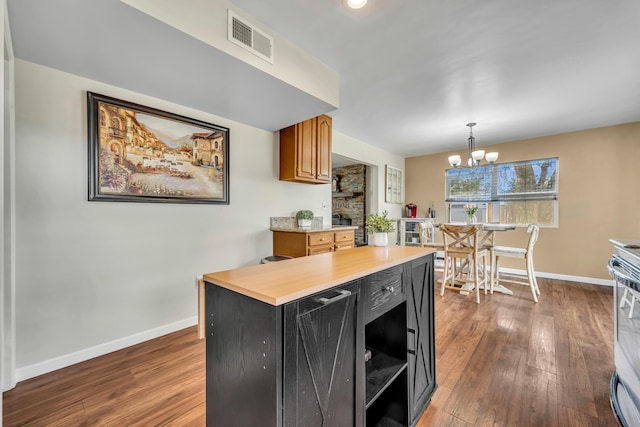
x=142, y=154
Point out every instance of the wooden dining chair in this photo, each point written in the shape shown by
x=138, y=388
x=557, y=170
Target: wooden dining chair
x=526, y=254
x=427, y=234
x=461, y=243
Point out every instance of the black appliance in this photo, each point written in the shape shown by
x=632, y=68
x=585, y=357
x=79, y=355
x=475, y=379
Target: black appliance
x=624, y=267
x=338, y=219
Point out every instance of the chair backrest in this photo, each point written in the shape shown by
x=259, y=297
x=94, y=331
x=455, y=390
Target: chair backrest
x=426, y=232
x=533, y=230
x=460, y=239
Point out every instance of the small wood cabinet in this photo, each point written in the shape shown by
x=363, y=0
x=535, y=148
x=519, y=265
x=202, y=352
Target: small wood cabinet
x=297, y=244
x=305, y=151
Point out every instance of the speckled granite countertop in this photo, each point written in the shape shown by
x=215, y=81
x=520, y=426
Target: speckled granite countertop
x=290, y=225
x=314, y=229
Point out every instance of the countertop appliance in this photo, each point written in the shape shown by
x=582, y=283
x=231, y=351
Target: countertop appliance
x=624, y=267
x=338, y=219
x=410, y=210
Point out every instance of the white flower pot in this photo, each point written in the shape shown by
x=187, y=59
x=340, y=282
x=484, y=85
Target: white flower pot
x=380, y=239
x=304, y=223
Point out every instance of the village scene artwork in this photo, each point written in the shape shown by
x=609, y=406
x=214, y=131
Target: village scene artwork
x=141, y=154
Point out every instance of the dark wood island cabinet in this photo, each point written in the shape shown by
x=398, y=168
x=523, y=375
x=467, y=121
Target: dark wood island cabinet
x=340, y=339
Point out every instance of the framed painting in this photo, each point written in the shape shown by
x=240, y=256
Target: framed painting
x=141, y=154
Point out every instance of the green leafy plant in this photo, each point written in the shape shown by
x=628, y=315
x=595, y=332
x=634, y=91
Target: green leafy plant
x=470, y=209
x=304, y=214
x=379, y=223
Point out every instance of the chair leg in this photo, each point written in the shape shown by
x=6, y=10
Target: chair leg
x=445, y=274
x=493, y=270
x=496, y=276
x=533, y=273
x=484, y=273
x=476, y=281
x=532, y=279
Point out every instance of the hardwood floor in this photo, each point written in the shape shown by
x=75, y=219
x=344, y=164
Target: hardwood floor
x=505, y=362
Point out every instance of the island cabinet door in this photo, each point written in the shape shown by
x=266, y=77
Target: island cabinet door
x=324, y=359
x=420, y=334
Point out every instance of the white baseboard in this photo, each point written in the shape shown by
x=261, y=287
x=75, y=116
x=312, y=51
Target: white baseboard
x=51, y=365
x=580, y=279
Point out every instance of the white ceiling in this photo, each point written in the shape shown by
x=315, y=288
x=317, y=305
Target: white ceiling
x=412, y=72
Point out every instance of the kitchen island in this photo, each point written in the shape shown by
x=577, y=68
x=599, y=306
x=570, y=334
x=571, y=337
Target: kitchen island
x=343, y=338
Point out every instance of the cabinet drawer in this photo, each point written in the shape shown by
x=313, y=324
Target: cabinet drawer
x=319, y=249
x=343, y=246
x=320, y=238
x=344, y=236
x=383, y=291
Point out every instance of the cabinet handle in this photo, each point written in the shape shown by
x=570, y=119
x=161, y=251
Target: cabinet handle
x=411, y=351
x=342, y=294
x=388, y=289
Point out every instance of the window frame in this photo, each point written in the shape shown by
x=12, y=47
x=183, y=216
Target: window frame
x=490, y=175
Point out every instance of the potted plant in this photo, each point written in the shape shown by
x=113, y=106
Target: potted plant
x=379, y=226
x=470, y=209
x=304, y=218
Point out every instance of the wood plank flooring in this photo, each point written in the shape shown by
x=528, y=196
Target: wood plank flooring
x=505, y=362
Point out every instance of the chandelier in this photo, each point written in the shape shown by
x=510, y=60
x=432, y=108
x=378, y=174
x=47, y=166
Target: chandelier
x=474, y=156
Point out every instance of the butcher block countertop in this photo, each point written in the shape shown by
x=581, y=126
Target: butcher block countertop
x=280, y=282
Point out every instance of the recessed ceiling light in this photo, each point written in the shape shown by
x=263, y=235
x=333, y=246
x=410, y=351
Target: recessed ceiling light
x=356, y=4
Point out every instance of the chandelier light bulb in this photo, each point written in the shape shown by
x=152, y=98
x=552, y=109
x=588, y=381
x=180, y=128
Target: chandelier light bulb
x=477, y=155
x=492, y=156
x=455, y=160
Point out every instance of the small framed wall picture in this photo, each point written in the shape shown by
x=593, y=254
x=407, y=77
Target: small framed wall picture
x=394, y=184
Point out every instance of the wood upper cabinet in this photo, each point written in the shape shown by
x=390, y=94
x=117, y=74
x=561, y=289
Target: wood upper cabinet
x=305, y=151
x=323, y=156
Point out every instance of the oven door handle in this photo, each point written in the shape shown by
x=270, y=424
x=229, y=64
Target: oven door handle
x=616, y=273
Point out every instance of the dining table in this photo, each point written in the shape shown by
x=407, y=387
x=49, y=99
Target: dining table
x=486, y=239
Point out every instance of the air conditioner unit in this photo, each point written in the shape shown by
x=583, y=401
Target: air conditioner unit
x=457, y=212
x=246, y=35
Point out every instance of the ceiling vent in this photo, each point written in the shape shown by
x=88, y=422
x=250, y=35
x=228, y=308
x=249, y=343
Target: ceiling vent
x=247, y=36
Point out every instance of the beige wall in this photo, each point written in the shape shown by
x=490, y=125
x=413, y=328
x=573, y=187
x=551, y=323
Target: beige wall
x=599, y=195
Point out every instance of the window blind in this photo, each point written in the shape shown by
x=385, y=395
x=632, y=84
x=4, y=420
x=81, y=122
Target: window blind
x=516, y=181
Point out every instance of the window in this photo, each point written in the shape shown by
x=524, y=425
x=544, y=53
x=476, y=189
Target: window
x=516, y=193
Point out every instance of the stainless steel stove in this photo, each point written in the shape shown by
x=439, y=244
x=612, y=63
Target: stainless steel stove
x=624, y=267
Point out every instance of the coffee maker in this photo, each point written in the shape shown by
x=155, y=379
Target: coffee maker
x=410, y=210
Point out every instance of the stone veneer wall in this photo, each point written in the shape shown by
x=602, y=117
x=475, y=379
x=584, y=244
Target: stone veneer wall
x=352, y=179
